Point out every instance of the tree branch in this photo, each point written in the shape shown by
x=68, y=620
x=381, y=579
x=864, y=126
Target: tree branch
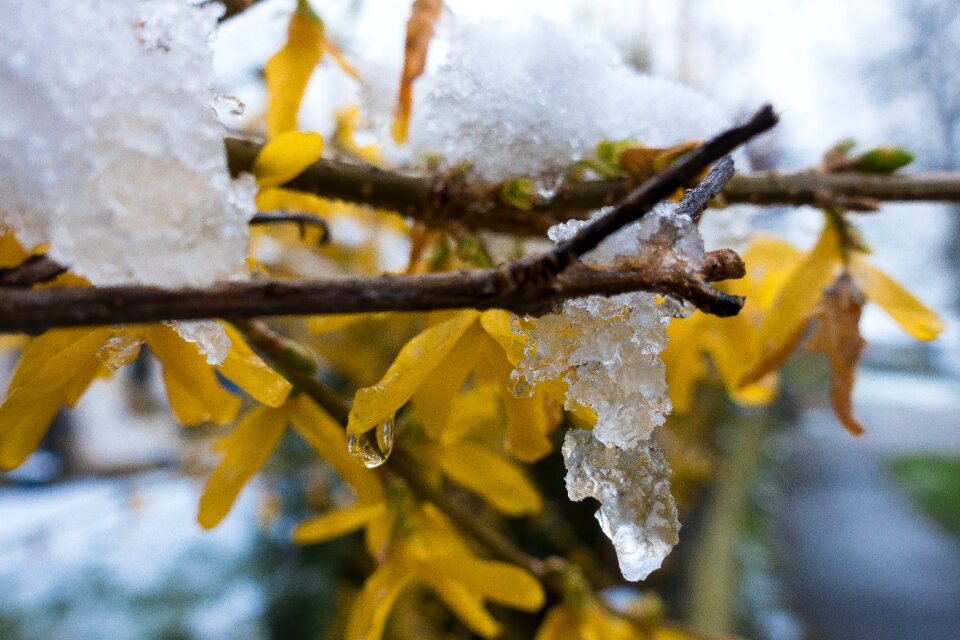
x=528, y=286
x=34, y=270
x=36, y=310
x=435, y=199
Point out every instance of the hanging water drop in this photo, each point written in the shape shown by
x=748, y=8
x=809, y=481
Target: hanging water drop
x=373, y=447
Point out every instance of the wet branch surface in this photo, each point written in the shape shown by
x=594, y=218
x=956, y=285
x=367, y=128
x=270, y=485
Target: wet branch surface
x=533, y=285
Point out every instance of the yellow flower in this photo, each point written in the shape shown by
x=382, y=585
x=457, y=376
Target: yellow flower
x=433, y=367
x=289, y=70
x=733, y=344
x=58, y=366
x=825, y=291
x=248, y=446
x=432, y=555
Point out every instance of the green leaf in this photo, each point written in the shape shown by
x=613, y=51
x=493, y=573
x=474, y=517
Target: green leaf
x=934, y=482
x=885, y=159
x=518, y=193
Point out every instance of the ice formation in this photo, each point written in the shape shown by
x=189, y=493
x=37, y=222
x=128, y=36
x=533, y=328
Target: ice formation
x=110, y=150
x=607, y=351
x=637, y=511
x=607, y=348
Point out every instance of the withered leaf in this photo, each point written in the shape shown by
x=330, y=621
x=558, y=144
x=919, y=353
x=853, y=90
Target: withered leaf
x=423, y=15
x=837, y=335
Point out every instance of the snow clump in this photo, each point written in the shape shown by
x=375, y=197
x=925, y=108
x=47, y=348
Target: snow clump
x=110, y=150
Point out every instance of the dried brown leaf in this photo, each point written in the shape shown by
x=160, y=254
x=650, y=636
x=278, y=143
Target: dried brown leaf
x=423, y=15
x=837, y=336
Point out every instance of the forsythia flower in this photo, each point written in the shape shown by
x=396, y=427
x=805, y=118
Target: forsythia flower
x=461, y=345
x=826, y=291
x=57, y=367
x=289, y=70
x=431, y=554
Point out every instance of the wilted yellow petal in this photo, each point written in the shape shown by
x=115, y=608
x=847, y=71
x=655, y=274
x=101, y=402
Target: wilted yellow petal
x=911, y=314
x=371, y=609
x=245, y=450
x=285, y=157
x=54, y=370
x=413, y=366
x=423, y=15
x=837, y=336
x=801, y=290
x=337, y=523
x=289, y=70
x=245, y=369
x=497, y=481
x=193, y=391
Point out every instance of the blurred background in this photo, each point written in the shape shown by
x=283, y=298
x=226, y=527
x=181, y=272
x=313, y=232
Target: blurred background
x=792, y=528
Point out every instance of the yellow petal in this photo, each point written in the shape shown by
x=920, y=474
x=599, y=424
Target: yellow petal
x=277, y=199
x=464, y=603
x=497, y=481
x=289, y=70
x=329, y=440
x=499, y=325
x=12, y=253
x=801, y=290
x=54, y=370
x=371, y=609
x=683, y=359
x=501, y=582
x=285, y=157
x=912, y=315
x=245, y=369
x=414, y=365
x=337, y=523
x=193, y=391
x=769, y=262
x=245, y=450
x=434, y=402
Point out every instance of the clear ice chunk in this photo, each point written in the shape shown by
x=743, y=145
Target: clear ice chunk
x=636, y=511
x=209, y=336
x=110, y=150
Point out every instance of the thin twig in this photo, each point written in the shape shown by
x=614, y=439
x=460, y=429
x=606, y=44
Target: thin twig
x=34, y=270
x=303, y=220
x=695, y=201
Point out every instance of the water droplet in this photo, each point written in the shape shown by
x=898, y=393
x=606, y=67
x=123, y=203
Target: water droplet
x=119, y=351
x=373, y=447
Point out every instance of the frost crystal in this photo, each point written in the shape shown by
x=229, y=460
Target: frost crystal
x=110, y=150
x=209, y=336
x=636, y=511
